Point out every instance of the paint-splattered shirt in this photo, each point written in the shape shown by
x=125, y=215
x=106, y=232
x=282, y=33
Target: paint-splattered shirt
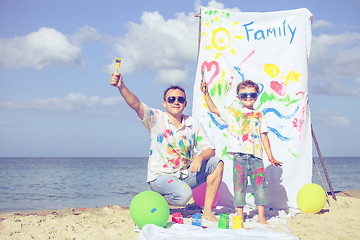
x=172, y=149
x=245, y=127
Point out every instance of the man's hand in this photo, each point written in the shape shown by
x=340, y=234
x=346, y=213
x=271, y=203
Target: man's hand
x=195, y=165
x=116, y=80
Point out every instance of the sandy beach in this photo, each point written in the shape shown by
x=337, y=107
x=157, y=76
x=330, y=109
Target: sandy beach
x=340, y=220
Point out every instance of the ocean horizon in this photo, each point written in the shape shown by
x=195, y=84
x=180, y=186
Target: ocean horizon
x=34, y=183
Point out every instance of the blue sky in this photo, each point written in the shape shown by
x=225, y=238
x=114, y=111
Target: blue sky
x=56, y=58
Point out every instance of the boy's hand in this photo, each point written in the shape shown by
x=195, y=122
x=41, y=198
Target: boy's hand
x=203, y=86
x=277, y=163
x=116, y=80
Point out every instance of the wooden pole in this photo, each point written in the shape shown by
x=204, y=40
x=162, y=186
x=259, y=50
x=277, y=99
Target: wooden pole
x=322, y=182
x=199, y=34
x=322, y=162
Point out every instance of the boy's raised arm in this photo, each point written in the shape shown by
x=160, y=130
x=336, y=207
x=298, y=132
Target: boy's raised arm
x=212, y=107
x=131, y=99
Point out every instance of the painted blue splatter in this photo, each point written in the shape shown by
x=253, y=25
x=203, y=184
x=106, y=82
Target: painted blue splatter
x=160, y=138
x=217, y=123
x=267, y=110
x=281, y=137
x=261, y=86
x=239, y=71
x=153, y=210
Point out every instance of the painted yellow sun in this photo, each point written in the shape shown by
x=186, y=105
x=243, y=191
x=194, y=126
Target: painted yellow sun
x=221, y=40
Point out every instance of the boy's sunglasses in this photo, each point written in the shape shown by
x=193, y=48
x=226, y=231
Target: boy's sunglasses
x=252, y=95
x=172, y=99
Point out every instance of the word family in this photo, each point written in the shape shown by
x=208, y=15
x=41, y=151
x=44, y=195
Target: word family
x=284, y=30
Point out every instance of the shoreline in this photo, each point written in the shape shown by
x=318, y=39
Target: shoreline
x=337, y=221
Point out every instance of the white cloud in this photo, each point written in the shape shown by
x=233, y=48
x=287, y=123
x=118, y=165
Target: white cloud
x=335, y=57
x=333, y=119
x=44, y=48
x=171, y=76
x=164, y=46
x=37, y=50
x=72, y=101
x=85, y=34
x=216, y=5
x=321, y=24
x=158, y=44
x=334, y=88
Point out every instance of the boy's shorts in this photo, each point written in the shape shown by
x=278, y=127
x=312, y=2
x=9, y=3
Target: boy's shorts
x=246, y=165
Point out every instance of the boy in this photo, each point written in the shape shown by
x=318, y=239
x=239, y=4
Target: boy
x=248, y=132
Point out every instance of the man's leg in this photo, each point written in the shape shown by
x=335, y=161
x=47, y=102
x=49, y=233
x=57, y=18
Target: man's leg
x=175, y=191
x=211, y=172
x=213, y=182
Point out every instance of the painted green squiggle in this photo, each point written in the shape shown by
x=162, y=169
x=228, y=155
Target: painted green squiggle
x=224, y=153
x=290, y=151
x=285, y=100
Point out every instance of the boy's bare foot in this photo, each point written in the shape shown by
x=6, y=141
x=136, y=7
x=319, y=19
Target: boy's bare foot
x=263, y=221
x=210, y=217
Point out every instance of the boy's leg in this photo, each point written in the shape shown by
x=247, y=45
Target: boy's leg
x=175, y=191
x=261, y=212
x=258, y=182
x=240, y=173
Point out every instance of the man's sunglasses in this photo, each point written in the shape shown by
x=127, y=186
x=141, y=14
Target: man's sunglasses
x=252, y=95
x=172, y=99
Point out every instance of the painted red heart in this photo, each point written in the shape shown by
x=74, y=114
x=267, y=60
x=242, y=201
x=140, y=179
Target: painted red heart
x=279, y=88
x=208, y=67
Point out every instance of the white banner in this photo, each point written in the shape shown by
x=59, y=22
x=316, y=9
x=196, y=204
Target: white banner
x=272, y=49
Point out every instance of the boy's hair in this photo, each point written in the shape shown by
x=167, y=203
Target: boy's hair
x=173, y=87
x=246, y=84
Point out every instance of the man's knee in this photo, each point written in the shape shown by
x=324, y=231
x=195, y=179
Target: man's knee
x=180, y=198
x=221, y=164
x=219, y=167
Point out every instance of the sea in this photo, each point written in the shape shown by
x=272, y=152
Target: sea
x=33, y=183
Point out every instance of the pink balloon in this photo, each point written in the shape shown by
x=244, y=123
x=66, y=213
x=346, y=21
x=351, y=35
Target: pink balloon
x=199, y=195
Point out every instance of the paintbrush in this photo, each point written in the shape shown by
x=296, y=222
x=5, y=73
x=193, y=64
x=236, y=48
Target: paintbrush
x=117, y=64
x=204, y=88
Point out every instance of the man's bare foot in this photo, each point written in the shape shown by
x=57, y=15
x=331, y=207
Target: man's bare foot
x=210, y=217
x=263, y=221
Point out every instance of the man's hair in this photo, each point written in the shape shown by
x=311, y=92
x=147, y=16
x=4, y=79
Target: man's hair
x=174, y=87
x=246, y=84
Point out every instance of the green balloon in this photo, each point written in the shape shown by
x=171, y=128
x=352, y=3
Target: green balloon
x=311, y=198
x=149, y=207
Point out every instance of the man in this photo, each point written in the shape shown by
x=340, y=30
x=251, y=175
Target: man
x=174, y=168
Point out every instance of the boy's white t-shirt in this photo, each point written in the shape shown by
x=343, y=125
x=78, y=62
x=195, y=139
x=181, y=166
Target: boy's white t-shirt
x=245, y=127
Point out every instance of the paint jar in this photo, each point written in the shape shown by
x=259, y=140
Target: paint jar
x=196, y=220
x=177, y=218
x=238, y=222
x=223, y=221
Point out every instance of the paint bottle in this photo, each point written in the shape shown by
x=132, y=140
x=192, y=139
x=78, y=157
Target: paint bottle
x=223, y=221
x=196, y=220
x=177, y=218
x=238, y=222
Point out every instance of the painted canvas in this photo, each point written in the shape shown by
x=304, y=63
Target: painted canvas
x=272, y=49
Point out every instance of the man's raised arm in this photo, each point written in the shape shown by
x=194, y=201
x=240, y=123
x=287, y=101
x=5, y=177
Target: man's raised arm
x=131, y=99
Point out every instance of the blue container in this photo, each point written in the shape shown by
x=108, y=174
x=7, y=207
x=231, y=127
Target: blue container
x=196, y=220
